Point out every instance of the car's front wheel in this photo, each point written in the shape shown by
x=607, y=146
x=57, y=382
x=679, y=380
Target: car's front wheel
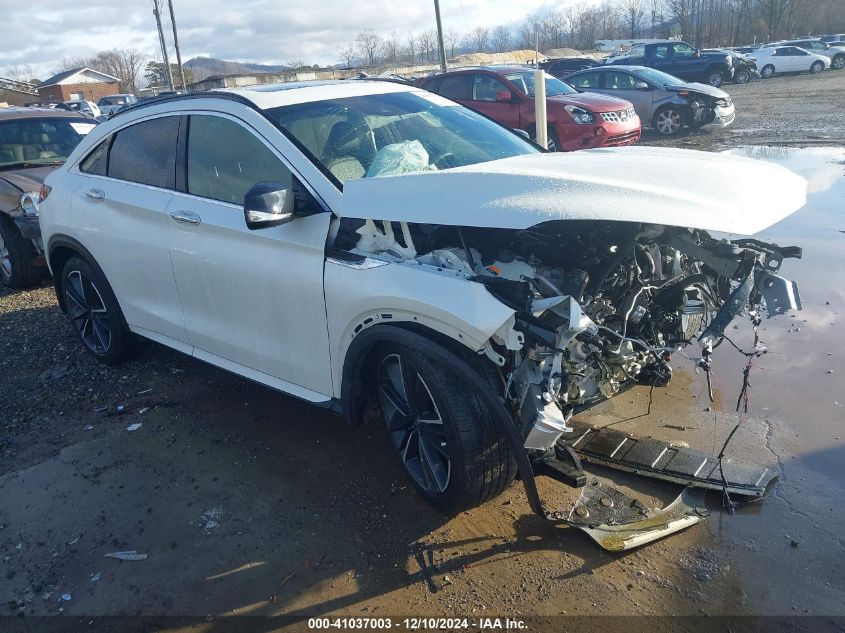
x=767, y=71
x=742, y=76
x=16, y=256
x=94, y=312
x=669, y=120
x=817, y=67
x=552, y=141
x=715, y=78
x=444, y=435
x=838, y=62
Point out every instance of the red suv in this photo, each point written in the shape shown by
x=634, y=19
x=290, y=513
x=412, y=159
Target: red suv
x=577, y=120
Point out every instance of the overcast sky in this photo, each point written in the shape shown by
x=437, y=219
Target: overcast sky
x=42, y=32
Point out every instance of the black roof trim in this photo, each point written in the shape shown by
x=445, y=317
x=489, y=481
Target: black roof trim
x=230, y=96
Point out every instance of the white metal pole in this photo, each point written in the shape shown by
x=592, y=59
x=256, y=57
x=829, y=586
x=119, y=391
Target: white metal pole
x=540, y=107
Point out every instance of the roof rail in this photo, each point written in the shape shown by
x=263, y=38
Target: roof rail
x=212, y=94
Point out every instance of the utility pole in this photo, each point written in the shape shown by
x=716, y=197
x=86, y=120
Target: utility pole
x=176, y=43
x=440, y=46
x=157, y=13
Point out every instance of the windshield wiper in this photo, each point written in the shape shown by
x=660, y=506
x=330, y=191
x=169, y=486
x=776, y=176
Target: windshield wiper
x=27, y=163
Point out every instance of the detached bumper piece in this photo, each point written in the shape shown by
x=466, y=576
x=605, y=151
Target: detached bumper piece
x=659, y=460
x=616, y=522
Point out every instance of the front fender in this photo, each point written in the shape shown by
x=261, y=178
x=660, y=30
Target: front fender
x=362, y=294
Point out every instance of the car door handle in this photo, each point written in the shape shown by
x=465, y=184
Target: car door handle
x=186, y=217
x=96, y=194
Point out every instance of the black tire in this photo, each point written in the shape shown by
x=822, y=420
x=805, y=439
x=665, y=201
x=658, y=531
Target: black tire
x=94, y=313
x=714, y=77
x=669, y=120
x=552, y=141
x=454, y=464
x=838, y=62
x=767, y=71
x=16, y=257
x=816, y=67
x=742, y=76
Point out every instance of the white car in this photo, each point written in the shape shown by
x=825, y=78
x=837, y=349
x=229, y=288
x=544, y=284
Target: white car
x=358, y=243
x=788, y=59
x=81, y=105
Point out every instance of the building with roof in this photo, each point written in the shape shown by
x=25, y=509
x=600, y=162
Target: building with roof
x=78, y=83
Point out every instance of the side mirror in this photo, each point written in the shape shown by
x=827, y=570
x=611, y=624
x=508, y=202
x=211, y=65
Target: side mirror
x=641, y=85
x=269, y=204
x=504, y=97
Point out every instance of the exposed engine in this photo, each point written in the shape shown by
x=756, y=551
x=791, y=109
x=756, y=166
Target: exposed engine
x=599, y=306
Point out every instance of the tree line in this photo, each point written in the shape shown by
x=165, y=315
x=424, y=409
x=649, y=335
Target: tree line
x=704, y=23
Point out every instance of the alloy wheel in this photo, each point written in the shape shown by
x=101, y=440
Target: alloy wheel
x=88, y=312
x=816, y=68
x=767, y=71
x=414, y=423
x=742, y=77
x=715, y=79
x=668, y=121
x=838, y=62
x=5, y=260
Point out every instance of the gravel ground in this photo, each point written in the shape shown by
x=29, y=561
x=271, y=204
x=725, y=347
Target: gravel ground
x=250, y=502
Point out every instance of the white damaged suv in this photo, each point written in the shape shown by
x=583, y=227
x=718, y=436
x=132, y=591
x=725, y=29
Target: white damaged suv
x=367, y=243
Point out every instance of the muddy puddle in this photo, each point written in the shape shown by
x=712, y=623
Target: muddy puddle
x=786, y=553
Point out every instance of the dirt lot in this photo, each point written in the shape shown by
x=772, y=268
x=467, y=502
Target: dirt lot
x=250, y=502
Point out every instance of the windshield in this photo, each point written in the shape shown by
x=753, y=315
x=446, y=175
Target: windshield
x=525, y=82
x=39, y=141
x=388, y=134
x=658, y=77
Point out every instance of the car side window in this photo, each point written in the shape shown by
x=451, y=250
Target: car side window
x=146, y=153
x=683, y=50
x=485, y=87
x=661, y=52
x=225, y=160
x=586, y=80
x=457, y=87
x=97, y=161
x=618, y=81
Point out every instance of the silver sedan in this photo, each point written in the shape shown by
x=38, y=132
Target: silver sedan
x=662, y=101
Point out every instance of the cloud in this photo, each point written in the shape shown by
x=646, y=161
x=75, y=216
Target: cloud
x=42, y=34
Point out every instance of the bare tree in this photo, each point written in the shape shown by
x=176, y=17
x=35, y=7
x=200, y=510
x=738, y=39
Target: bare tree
x=348, y=54
x=427, y=41
x=23, y=73
x=124, y=63
x=478, y=39
x=451, y=39
x=411, y=48
x=632, y=15
x=390, y=48
x=500, y=39
x=368, y=43
x=294, y=63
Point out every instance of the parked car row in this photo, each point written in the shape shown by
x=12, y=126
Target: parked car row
x=807, y=54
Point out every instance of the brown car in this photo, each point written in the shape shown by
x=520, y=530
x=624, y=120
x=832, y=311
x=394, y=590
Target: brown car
x=33, y=142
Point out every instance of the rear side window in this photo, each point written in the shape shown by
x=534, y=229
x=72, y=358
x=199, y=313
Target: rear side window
x=225, y=160
x=97, y=161
x=457, y=87
x=146, y=153
x=586, y=80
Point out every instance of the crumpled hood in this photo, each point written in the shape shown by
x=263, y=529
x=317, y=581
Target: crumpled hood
x=29, y=178
x=702, y=88
x=673, y=187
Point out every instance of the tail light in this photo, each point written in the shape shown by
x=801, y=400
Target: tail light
x=45, y=191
